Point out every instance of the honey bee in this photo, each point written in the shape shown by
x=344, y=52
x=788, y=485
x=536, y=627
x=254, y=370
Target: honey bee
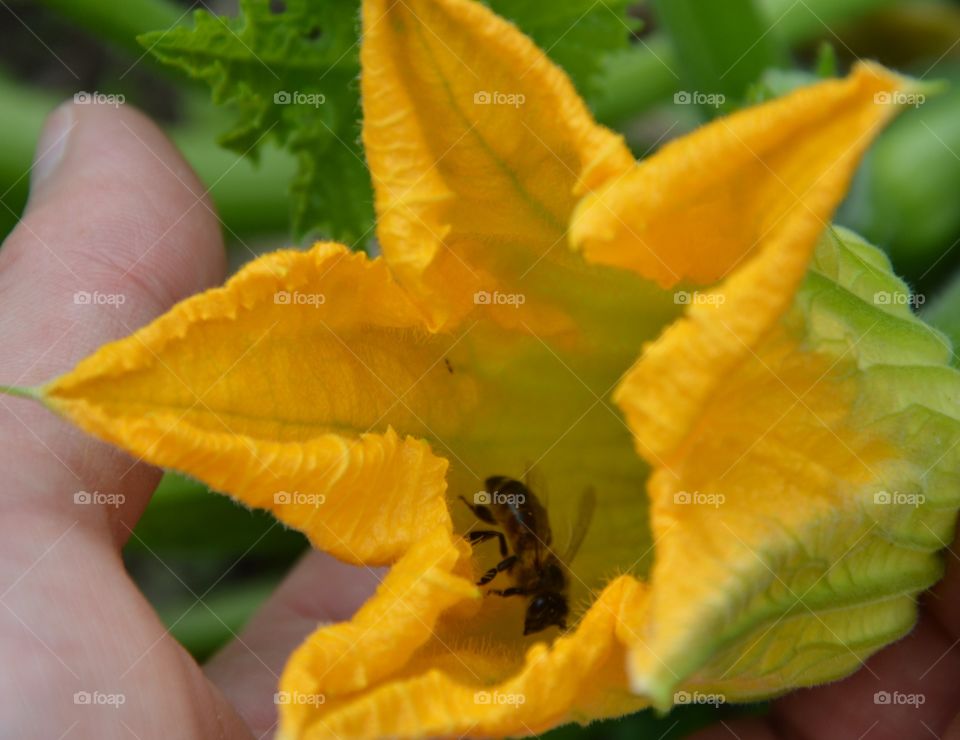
x=537, y=571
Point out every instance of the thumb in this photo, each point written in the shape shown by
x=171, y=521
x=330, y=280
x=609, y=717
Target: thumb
x=116, y=230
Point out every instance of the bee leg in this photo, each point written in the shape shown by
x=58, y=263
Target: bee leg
x=482, y=535
x=505, y=564
x=512, y=591
x=480, y=511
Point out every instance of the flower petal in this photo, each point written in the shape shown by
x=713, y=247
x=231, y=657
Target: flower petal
x=707, y=201
x=284, y=388
x=479, y=148
x=741, y=201
x=806, y=504
x=396, y=670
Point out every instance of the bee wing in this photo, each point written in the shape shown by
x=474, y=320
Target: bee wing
x=585, y=509
x=536, y=484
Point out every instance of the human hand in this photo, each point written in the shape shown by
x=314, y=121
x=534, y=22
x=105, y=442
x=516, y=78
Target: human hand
x=114, y=212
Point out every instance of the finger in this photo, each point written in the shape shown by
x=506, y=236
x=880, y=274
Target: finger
x=113, y=211
x=319, y=590
x=943, y=600
x=116, y=230
x=953, y=731
x=905, y=690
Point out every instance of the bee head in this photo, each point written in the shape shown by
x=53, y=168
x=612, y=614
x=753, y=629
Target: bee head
x=546, y=610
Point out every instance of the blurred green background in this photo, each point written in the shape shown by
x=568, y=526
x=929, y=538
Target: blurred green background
x=207, y=564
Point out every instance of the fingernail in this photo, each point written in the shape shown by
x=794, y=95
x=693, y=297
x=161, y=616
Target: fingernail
x=52, y=144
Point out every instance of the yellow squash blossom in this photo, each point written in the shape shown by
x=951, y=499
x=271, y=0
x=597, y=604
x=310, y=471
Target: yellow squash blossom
x=774, y=475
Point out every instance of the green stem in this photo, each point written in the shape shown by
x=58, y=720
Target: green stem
x=650, y=71
x=906, y=195
x=119, y=21
x=13, y=390
x=723, y=47
x=803, y=21
x=23, y=112
x=251, y=199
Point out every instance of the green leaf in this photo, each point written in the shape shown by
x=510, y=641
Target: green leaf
x=826, y=61
x=289, y=68
x=576, y=34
